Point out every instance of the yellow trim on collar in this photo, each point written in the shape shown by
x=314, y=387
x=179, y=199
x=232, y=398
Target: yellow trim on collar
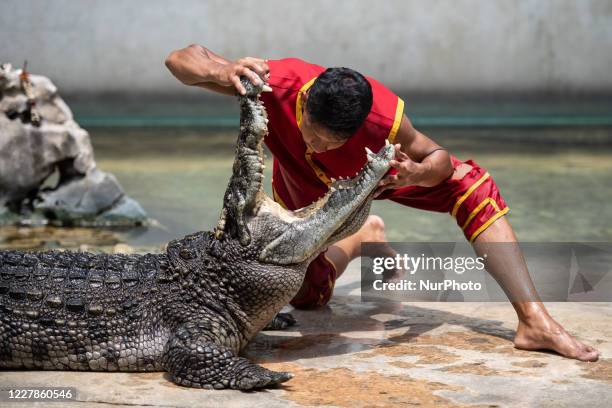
x=318, y=171
x=298, y=101
x=309, y=152
x=399, y=112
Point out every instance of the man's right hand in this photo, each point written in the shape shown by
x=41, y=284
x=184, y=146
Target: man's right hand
x=198, y=66
x=229, y=74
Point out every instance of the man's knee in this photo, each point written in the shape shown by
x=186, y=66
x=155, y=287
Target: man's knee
x=312, y=296
x=375, y=224
x=478, y=203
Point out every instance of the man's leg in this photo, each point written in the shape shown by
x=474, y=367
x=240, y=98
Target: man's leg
x=536, y=330
x=343, y=252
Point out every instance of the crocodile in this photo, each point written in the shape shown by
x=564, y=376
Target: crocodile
x=191, y=309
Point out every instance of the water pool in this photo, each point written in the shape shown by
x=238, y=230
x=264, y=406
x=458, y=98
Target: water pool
x=557, y=183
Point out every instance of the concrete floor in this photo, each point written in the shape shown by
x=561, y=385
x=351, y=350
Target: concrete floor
x=355, y=354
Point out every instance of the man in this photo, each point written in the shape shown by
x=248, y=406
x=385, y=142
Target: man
x=321, y=120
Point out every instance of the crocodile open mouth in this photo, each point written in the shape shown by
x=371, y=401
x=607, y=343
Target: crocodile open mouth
x=340, y=212
x=301, y=234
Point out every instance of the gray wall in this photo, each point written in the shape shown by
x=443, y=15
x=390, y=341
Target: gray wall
x=411, y=45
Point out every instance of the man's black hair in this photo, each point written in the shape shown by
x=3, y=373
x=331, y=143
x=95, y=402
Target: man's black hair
x=340, y=100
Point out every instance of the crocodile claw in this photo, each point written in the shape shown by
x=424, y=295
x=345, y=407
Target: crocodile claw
x=280, y=322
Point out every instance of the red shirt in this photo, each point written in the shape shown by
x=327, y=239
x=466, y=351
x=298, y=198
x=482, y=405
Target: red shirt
x=300, y=175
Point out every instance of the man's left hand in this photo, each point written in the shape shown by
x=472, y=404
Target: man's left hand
x=408, y=173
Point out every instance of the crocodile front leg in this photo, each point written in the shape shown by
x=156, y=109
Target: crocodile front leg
x=194, y=360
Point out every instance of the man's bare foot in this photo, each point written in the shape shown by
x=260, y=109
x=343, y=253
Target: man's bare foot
x=544, y=333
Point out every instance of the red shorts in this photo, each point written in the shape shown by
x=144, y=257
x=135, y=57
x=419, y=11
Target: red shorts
x=474, y=201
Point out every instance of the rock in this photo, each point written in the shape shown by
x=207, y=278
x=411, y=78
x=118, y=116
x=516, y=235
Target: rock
x=80, y=196
x=123, y=212
x=40, y=143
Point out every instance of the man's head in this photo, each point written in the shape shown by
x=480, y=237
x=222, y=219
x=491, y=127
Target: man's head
x=334, y=108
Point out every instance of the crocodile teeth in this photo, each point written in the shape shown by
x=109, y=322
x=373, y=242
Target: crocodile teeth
x=266, y=88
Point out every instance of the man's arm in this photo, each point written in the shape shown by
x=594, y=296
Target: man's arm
x=196, y=65
x=419, y=160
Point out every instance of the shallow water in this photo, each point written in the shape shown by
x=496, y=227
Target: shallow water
x=558, y=189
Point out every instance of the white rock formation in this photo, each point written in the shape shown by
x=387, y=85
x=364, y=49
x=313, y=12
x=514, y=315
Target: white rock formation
x=30, y=153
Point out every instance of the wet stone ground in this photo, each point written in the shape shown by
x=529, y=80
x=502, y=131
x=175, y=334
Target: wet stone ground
x=354, y=354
